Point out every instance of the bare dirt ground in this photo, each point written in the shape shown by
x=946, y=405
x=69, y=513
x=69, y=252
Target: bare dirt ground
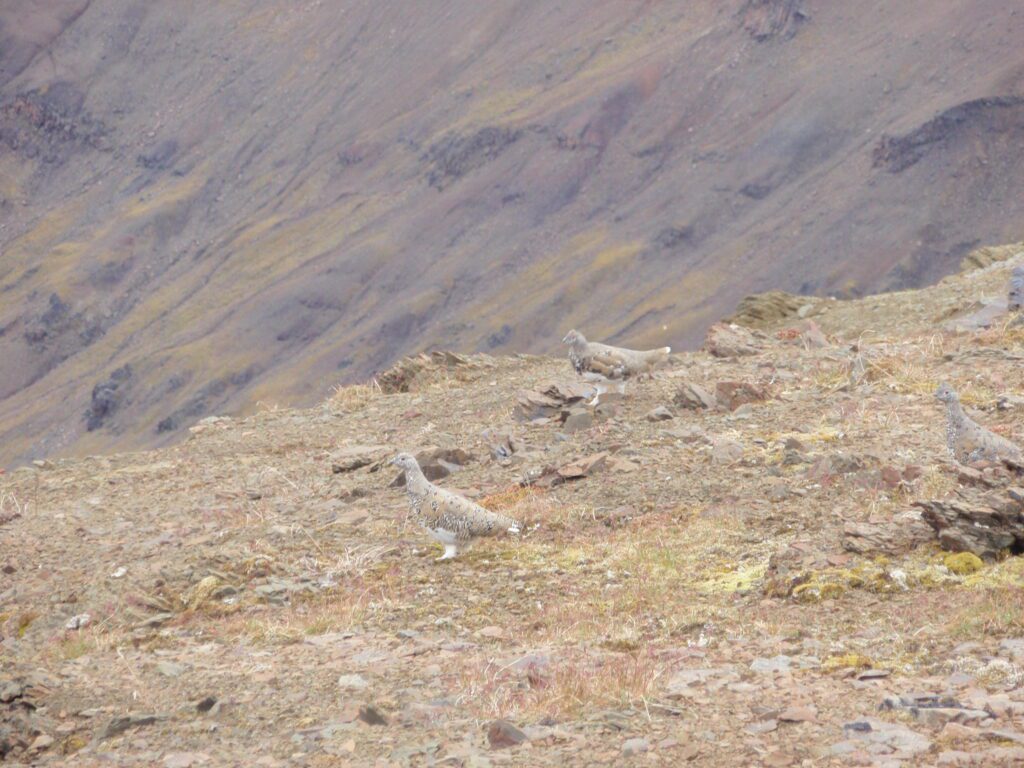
x=254, y=597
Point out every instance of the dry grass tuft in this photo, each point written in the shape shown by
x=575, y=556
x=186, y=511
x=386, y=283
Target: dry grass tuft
x=11, y=507
x=1005, y=333
x=73, y=648
x=72, y=645
x=529, y=505
x=512, y=497
x=997, y=613
x=935, y=483
x=356, y=560
x=902, y=375
x=24, y=621
x=563, y=688
x=336, y=611
x=272, y=632
x=354, y=397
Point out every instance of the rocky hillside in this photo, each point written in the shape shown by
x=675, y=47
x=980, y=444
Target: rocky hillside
x=209, y=207
x=739, y=563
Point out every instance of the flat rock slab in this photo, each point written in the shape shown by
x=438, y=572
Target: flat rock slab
x=688, y=682
x=886, y=738
x=979, y=316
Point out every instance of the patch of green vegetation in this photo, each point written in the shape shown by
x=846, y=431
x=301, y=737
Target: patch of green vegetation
x=963, y=563
x=738, y=579
x=73, y=743
x=814, y=591
x=24, y=621
x=847, y=661
x=75, y=647
x=880, y=576
x=997, y=613
x=1005, y=573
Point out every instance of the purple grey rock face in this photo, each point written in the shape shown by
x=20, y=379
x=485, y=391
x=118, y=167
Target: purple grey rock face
x=1016, y=298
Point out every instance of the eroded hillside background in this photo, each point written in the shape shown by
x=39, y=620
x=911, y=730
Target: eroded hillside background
x=204, y=206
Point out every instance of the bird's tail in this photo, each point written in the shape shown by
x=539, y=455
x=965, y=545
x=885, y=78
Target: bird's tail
x=654, y=357
x=514, y=527
x=656, y=354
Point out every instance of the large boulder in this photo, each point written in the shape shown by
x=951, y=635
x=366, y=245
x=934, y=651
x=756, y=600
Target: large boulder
x=767, y=310
x=436, y=463
x=730, y=340
x=987, y=525
x=693, y=397
x=411, y=374
x=990, y=254
x=733, y=394
x=905, y=532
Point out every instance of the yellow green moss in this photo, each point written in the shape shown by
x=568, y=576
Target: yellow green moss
x=739, y=579
x=935, y=576
x=73, y=743
x=813, y=591
x=25, y=621
x=847, y=661
x=963, y=563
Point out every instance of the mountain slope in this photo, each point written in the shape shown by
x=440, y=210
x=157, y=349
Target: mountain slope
x=210, y=205
x=747, y=584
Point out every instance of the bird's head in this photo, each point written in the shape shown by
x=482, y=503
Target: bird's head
x=945, y=393
x=573, y=337
x=405, y=461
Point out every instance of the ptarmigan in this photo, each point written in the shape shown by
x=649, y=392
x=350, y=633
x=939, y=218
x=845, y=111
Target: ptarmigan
x=612, y=362
x=448, y=517
x=967, y=440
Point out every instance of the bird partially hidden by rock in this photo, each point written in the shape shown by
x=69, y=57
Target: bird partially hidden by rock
x=451, y=519
x=968, y=441
x=612, y=362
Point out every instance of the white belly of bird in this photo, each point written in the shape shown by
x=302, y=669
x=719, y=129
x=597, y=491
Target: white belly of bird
x=444, y=536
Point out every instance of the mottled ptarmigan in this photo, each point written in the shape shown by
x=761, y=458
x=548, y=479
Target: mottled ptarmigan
x=448, y=517
x=967, y=440
x=612, y=362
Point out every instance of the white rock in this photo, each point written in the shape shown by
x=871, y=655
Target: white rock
x=81, y=621
x=352, y=682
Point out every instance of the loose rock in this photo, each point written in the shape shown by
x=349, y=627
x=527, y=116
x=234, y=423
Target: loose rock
x=693, y=397
x=661, y=413
x=502, y=734
x=635, y=747
x=79, y=621
x=724, y=340
x=732, y=394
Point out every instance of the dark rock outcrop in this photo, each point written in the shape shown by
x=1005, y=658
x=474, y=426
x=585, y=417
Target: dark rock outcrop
x=728, y=340
x=763, y=310
x=992, y=115
x=766, y=20
x=107, y=397
x=986, y=525
x=455, y=156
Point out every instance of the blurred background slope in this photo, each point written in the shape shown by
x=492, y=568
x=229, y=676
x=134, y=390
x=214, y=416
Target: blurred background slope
x=208, y=205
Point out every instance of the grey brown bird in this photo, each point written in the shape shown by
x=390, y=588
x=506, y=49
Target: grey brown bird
x=612, y=362
x=967, y=440
x=451, y=519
